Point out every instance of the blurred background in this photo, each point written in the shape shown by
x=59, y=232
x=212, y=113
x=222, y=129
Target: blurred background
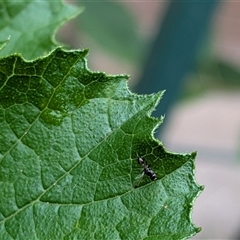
x=191, y=49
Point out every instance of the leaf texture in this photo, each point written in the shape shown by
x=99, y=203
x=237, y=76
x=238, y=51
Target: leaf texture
x=69, y=141
x=31, y=24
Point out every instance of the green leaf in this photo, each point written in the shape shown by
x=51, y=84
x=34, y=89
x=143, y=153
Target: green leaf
x=31, y=25
x=69, y=140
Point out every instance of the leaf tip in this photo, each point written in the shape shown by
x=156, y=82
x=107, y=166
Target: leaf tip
x=194, y=154
x=198, y=229
x=5, y=42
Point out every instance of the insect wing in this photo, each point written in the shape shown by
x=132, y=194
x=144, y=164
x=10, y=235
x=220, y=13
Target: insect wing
x=139, y=176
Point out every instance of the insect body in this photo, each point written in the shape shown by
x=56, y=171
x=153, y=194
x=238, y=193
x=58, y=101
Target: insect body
x=146, y=169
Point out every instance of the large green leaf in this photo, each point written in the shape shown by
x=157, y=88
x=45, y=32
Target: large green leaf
x=69, y=141
x=31, y=24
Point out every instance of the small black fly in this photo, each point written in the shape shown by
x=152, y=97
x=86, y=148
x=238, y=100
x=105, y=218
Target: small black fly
x=146, y=169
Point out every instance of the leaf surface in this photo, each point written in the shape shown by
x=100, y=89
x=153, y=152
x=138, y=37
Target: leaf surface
x=31, y=25
x=69, y=141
